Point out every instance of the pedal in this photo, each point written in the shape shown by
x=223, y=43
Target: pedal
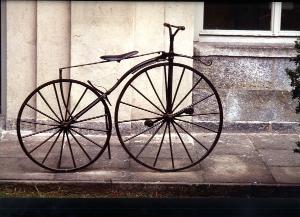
x=189, y=110
x=148, y=123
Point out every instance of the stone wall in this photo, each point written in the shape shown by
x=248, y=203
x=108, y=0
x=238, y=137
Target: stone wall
x=43, y=36
x=253, y=85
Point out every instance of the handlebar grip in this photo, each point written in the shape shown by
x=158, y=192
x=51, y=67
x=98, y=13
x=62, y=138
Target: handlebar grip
x=178, y=27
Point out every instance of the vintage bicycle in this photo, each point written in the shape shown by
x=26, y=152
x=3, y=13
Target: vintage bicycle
x=173, y=117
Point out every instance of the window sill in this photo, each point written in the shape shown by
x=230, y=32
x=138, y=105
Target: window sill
x=248, y=48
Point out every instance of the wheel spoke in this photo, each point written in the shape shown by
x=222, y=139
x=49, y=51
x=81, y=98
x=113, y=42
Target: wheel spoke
x=39, y=123
x=57, y=99
x=191, y=136
x=200, y=114
x=46, y=156
x=139, y=119
x=140, y=108
x=197, y=125
x=92, y=118
x=155, y=91
x=71, y=151
x=142, y=132
x=61, y=151
x=149, y=140
x=42, y=131
x=48, y=105
x=185, y=148
x=145, y=98
x=170, y=143
x=78, y=101
x=86, y=138
x=166, y=85
x=86, y=128
x=68, y=99
x=202, y=99
x=160, y=145
x=88, y=156
x=42, y=113
x=47, y=139
x=177, y=88
x=187, y=94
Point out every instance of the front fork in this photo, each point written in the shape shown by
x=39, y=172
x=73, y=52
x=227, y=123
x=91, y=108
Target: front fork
x=169, y=85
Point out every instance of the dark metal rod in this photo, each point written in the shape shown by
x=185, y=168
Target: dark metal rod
x=185, y=148
x=146, y=98
x=86, y=138
x=68, y=100
x=71, y=151
x=87, y=128
x=191, y=135
x=83, y=111
x=170, y=143
x=141, y=132
x=187, y=94
x=155, y=90
x=140, y=108
x=47, y=139
x=78, y=101
x=160, y=145
x=39, y=123
x=200, y=114
x=139, y=119
x=149, y=140
x=92, y=118
x=42, y=113
x=196, y=125
x=54, y=142
x=48, y=105
x=42, y=131
x=88, y=156
x=61, y=151
x=58, y=103
x=179, y=82
x=202, y=99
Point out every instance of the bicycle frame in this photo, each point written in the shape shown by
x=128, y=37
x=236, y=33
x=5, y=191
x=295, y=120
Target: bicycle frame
x=164, y=56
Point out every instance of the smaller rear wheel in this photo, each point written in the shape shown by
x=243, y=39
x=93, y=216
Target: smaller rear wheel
x=52, y=137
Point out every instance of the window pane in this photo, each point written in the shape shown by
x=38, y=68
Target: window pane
x=290, y=16
x=237, y=16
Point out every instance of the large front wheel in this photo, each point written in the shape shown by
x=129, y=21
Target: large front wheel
x=168, y=126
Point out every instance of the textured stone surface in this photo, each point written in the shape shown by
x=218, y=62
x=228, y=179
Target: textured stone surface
x=237, y=158
x=239, y=72
x=238, y=145
x=286, y=174
x=273, y=141
x=280, y=157
x=181, y=177
x=232, y=168
x=281, y=79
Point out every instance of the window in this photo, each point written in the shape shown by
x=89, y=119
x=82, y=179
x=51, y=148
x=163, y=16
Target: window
x=248, y=19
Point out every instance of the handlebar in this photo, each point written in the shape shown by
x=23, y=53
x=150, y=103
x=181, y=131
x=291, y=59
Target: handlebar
x=178, y=27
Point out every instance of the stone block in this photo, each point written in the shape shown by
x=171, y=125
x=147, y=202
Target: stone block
x=235, y=169
x=239, y=72
x=274, y=141
x=246, y=127
x=280, y=157
x=281, y=79
x=290, y=175
x=234, y=144
x=177, y=177
x=22, y=169
x=93, y=176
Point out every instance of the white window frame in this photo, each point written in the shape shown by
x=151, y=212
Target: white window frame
x=274, y=31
